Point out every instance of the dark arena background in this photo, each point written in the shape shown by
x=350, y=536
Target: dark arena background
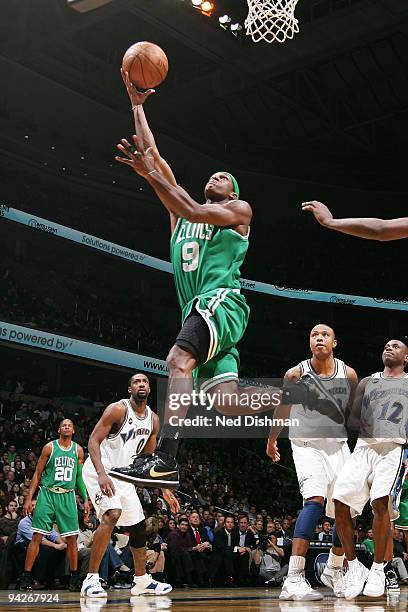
x=87, y=292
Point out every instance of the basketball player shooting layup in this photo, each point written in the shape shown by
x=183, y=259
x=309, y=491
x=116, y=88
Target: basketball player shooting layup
x=319, y=447
x=208, y=246
x=371, y=473
x=125, y=429
x=372, y=229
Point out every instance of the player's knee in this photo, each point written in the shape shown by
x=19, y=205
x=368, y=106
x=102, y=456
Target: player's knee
x=380, y=506
x=318, y=499
x=111, y=517
x=178, y=361
x=307, y=520
x=137, y=535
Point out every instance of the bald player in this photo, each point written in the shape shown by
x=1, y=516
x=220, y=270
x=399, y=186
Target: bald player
x=319, y=446
x=371, y=229
x=380, y=414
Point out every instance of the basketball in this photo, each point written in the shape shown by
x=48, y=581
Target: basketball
x=146, y=63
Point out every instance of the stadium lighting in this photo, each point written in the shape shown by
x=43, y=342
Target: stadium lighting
x=236, y=28
x=204, y=6
x=224, y=21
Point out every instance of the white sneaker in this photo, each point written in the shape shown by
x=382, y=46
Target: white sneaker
x=375, y=585
x=354, y=581
x=91, y=587
x=333, y=577
x=150, y=587
x=297, y=588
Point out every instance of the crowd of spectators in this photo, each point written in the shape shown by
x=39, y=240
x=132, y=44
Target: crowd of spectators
x=225, y=534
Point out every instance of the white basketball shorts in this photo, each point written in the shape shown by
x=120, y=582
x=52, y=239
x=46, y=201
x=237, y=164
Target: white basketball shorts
x=317, y=464
x=369, y=474
x=125, y=497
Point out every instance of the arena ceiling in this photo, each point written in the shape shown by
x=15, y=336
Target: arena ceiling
x=336, y=96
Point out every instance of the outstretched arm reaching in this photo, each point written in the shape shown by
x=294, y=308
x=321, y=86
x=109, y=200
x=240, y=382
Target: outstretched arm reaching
x=143, y=130
x=371, y=229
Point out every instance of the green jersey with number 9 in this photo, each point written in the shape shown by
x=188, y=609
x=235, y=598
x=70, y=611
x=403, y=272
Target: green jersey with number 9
x=61, y=468
x=205, y=258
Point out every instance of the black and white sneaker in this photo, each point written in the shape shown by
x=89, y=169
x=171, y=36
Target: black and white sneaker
x=156, y=470
x=391, y=582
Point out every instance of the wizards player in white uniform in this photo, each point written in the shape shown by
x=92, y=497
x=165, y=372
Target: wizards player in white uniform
x=380, y=413
x=319, y=446
x=126, y=429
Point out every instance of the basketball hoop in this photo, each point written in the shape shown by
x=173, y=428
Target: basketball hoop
x=271, y=20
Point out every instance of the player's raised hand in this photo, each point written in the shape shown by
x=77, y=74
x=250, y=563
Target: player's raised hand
x=141, y=160
x=172, y=500
x=136, y=97
x=106, y=485
x=320, y=211
x=272, y=449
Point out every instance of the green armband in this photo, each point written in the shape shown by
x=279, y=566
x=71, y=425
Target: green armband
x=80, y=483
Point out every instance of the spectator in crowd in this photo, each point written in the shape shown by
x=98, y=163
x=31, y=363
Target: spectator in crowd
x=203, y=548
x=11, y=455
x=186, y=568
x=400, y=556
x=326, y=534
x=19, y=472
x=243, y=542
x=84, y=543
x=10, y=480
x=3, y=485
x=369, y=542
x=223, y=552
x=271, y=569
x=50, y=562
x=9, y=521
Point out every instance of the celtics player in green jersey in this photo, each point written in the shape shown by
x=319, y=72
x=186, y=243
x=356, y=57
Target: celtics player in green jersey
x=208, y=247
x=58, y=472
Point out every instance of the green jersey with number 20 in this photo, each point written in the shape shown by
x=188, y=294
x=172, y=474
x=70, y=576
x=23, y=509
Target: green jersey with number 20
x=61, y=468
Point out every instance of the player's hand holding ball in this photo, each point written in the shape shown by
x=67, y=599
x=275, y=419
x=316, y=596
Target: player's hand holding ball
x=320, y=211
x=136, y=96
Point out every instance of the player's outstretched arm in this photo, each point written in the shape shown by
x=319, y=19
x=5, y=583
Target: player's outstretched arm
x=175, y=198
x=281, y=412
x=369, y=228
x=142, y=128
x=45, y=455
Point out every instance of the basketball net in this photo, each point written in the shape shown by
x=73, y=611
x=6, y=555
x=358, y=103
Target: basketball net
x=271, y=20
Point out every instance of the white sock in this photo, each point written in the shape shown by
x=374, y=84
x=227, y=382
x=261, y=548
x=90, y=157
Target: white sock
x=88, y=576
x=335, y=560
x=353, y=564
x=142, y=578
x=124, y=568
x=296, y=564
x=378, y=566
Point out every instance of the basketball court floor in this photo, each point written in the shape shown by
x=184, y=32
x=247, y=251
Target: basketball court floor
x=203, y=600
